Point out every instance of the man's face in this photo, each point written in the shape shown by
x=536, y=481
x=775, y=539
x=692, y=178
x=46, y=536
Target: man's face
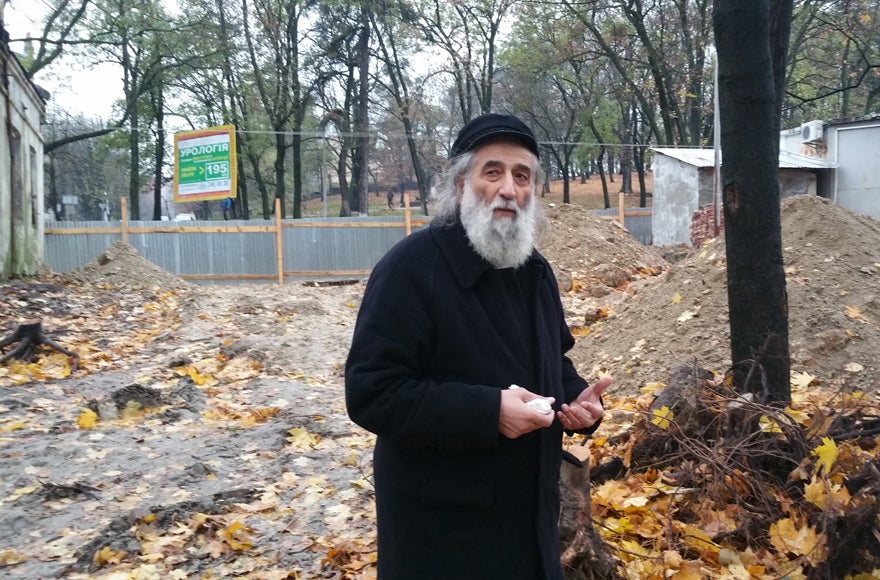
x=498, y=209
x=502, y=175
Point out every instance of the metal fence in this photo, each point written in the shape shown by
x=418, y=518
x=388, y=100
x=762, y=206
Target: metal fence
x=637, y=222
x=245, y=250
x=254, y=250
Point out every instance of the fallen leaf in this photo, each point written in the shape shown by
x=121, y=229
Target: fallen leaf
x=300, y=438
x=87, y=419
x=662, y=417
x=801, y=380
x=787, y=537
x=826, y=454
x=107, y=555
x=237, y=536
x=855, y=313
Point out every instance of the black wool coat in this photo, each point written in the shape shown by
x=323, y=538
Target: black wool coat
x=439, y=333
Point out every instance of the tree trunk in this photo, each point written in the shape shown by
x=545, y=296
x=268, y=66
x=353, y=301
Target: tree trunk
x=242, y=208
x=639, y=159
x=134, y=168
x=362, y=122
x=158, y=104
x=750, y=95
x=280, y=153
x=296, y=151
x=600, y=166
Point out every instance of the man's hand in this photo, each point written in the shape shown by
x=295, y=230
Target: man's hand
x=517, y=418
x=586, y=410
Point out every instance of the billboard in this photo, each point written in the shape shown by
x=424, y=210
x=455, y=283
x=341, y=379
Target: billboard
x=204, y=164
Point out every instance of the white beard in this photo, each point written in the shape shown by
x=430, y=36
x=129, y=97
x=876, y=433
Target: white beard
x=503, y=242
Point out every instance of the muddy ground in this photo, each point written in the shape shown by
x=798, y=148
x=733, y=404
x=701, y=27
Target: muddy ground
x=204, y=433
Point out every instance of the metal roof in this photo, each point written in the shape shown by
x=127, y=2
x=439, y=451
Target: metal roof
x=706, y=158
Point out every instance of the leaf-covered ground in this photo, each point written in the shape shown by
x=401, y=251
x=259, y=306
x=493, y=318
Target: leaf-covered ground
x=204, y=434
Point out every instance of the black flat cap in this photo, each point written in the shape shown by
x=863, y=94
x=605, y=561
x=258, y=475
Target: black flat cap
x=493, y=126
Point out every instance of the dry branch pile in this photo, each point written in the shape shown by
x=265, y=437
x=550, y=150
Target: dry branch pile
x=700, y=478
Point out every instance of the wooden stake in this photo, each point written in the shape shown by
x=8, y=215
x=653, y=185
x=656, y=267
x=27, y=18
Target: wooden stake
x=279, y=243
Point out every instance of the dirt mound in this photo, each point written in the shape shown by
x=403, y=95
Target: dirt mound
x=121, y=266
x=833, y=279
x=595, y=258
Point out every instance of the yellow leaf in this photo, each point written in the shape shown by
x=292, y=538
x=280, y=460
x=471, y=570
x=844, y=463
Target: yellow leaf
x=826, y=454
x=300, y=438
x=10, y=557
x=787, y=537
x=855, y=313
x=814, y=492
x=350, y=304
x=688, y=571
x=236, y=535
x=106, y=555
x=87, y=419
x=801, y=380
x=768, y=425
x=797, y=416
x=362, y=483
x=662, y=417
x=677, y=298
x=578, y=331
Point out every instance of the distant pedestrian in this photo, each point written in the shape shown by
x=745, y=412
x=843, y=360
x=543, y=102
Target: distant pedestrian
x=227, y=207
x=390, y=199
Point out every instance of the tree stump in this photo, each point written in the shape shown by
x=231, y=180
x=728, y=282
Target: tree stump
x=584, y=556
x=29, y=335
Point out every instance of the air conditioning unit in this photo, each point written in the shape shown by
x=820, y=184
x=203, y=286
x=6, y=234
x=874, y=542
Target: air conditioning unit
x=812, y=131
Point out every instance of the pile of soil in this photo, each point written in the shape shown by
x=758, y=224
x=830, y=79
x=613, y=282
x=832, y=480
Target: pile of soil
x=832, y=264
x=597, y=263
x=120, y=266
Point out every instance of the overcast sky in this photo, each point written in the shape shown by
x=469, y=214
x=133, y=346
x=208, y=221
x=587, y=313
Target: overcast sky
x=87, y=91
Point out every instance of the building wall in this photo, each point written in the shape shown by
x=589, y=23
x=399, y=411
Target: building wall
x=796, y=182
x=681, y=190
x=676, y=187
x=21, y=171
x=854, y=145
x=856, y=149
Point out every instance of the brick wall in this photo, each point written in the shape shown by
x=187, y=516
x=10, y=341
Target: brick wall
x=703, y=225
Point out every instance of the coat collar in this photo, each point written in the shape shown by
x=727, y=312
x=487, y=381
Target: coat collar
x=467, y=264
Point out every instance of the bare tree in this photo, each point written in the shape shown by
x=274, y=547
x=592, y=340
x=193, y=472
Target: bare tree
x=752, y=38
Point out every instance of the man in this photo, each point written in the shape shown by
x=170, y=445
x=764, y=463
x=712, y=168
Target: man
x=453, y=318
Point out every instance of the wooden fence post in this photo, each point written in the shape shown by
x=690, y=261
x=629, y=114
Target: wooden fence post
x=279, y=244
x=123, y=209
x=621, y=210
x=407, y=217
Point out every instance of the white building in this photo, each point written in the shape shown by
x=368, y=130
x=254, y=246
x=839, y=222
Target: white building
x=21, y=168
x=852, y=146
x=684, y=183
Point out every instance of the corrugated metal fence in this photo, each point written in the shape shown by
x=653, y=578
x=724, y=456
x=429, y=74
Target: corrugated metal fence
x=637, y=222
x=248, y=250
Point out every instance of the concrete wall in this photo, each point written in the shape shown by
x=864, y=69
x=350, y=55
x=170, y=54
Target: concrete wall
x=856, y=149
x=21, y=170
x=676, y=187
x=680, y=189
x=854, y=145
x=796, y=182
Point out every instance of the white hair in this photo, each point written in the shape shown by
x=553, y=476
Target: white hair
x=458, y=170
